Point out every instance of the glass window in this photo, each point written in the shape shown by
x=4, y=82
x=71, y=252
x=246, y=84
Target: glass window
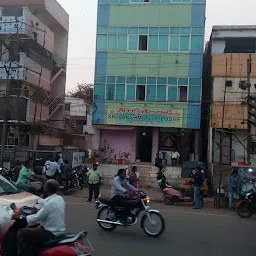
x=174, y=43
x=131, y=80
x=133, y=30
x=161, y=80
x=99, y=91
x=103, y=1
x=153, y=31
x=141, y=80
x=112, y=30
x=161, y=93
x=184, y=43
x=100, y=79
x=172, y=93
x=111, y=79
x=112, y=42
x=163, y=43
x=120, y=79
x=120, y=91
x=141, y=92
x=122, y=31
x=122, y=43
x=124, y=1
x=185, y=30
x=197, y=43
x=130, y=92
x=183, y=81
x=155, y=1
x=110, y=92
x=151, y=93
x=102, y=42
x=133, y=43
x=197, y=31
x=172, y=80
x=151, y=80
x=163, y=31
x=194, y=93
x=153, y=43
x=174, y=31
x=183, y=93
x=195, y=81
x=143, y=31
x=102, y=30
x=114, y=1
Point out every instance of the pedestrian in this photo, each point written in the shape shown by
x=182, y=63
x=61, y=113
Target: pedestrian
x=158, y=162
x=94, y=181
x=175, y=157
x=134, y=177
x=198, y=183
x=232, y=187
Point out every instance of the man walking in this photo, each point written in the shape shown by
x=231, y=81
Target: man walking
x=232, y=187
x=94, y=179
x=175, y=157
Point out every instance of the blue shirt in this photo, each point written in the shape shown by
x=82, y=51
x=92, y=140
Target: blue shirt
x=232, y=184
x=120, y=187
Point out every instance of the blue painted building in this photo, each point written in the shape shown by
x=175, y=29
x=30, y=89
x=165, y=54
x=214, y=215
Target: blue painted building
x=148, y=76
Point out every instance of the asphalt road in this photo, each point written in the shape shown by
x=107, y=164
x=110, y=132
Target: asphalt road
x=188, y=232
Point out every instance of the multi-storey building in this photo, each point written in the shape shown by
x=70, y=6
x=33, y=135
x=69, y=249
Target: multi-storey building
x=148, y=77
x=33, y=54
x=226, y=59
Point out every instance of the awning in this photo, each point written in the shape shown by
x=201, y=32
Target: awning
x=114, y=127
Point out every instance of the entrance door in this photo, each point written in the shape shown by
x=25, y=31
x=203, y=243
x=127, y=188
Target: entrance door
x=144, y=144
x=226, y=149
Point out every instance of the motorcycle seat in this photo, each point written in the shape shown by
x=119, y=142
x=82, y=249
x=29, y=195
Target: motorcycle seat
x=106, y=200
x=64, y=239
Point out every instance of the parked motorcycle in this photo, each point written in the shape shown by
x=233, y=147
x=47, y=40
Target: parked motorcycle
x=247, y=207
x=69, y=245
x=161, y=180
x=8, y=174
x=82, y=173
x=73, y=182
x=109, y=216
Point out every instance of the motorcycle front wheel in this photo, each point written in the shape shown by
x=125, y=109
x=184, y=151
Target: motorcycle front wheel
x=243, y=210
x=105, y=213
x=152, y=223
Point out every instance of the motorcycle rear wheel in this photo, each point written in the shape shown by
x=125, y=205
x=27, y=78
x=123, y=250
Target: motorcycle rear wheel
x=243, y=210
x=102, y=225
x=147, y=232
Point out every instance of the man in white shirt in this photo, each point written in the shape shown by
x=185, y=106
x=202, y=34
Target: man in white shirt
x=51, y=218
x=50, y=169
x=175, y=156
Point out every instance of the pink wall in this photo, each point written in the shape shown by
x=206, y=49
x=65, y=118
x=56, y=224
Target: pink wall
x=44, y=114
x=121, y=141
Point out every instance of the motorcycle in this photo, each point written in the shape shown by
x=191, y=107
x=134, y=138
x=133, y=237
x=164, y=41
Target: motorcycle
x=73, y=182
x=82, y=173
x=68, y=245
x=247, y=207
x=114, y=214
x=8, y=174
x=161, y=180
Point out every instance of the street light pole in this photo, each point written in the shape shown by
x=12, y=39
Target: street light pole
x=249, y=70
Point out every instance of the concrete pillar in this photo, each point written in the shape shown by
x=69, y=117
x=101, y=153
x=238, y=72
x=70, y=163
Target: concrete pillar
x=155, y=143
x=196, y=143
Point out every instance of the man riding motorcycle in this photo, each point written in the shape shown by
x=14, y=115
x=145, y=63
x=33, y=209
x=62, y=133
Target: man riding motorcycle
x=51, y=218
x=119, y=190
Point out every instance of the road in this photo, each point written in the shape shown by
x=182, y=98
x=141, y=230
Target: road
x=188, y=232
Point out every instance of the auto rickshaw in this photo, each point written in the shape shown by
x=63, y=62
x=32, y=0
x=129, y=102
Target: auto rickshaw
x=187, y=176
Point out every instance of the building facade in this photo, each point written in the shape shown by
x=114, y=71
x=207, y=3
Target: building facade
x=148, y=74
x=227, y=54
x=33, y=55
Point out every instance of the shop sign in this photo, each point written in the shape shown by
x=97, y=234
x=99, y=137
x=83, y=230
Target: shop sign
x=141, y=116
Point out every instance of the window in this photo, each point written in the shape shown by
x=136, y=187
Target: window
x=143, y=43
x=132, y=42
x=228, y=83
x=67, y=107
x=183, y=93
x=110, y=91
x=141, y=92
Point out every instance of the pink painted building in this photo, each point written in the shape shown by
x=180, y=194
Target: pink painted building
x=33, y=56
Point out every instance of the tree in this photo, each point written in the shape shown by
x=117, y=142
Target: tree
x=83, y=91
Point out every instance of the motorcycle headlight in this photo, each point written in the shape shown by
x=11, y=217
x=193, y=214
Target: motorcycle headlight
x=247, y=194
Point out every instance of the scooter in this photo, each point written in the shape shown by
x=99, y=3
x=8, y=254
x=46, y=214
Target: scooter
x=68, y=245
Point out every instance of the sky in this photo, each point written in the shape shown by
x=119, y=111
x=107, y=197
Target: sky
x=82, y=34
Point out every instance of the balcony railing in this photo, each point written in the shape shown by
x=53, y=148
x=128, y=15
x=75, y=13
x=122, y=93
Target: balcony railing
x=30, y=26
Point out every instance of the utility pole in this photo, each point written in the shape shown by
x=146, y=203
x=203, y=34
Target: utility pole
x=249, y=70
x=4, y=133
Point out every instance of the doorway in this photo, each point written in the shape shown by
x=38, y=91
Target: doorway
x=144, y=137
